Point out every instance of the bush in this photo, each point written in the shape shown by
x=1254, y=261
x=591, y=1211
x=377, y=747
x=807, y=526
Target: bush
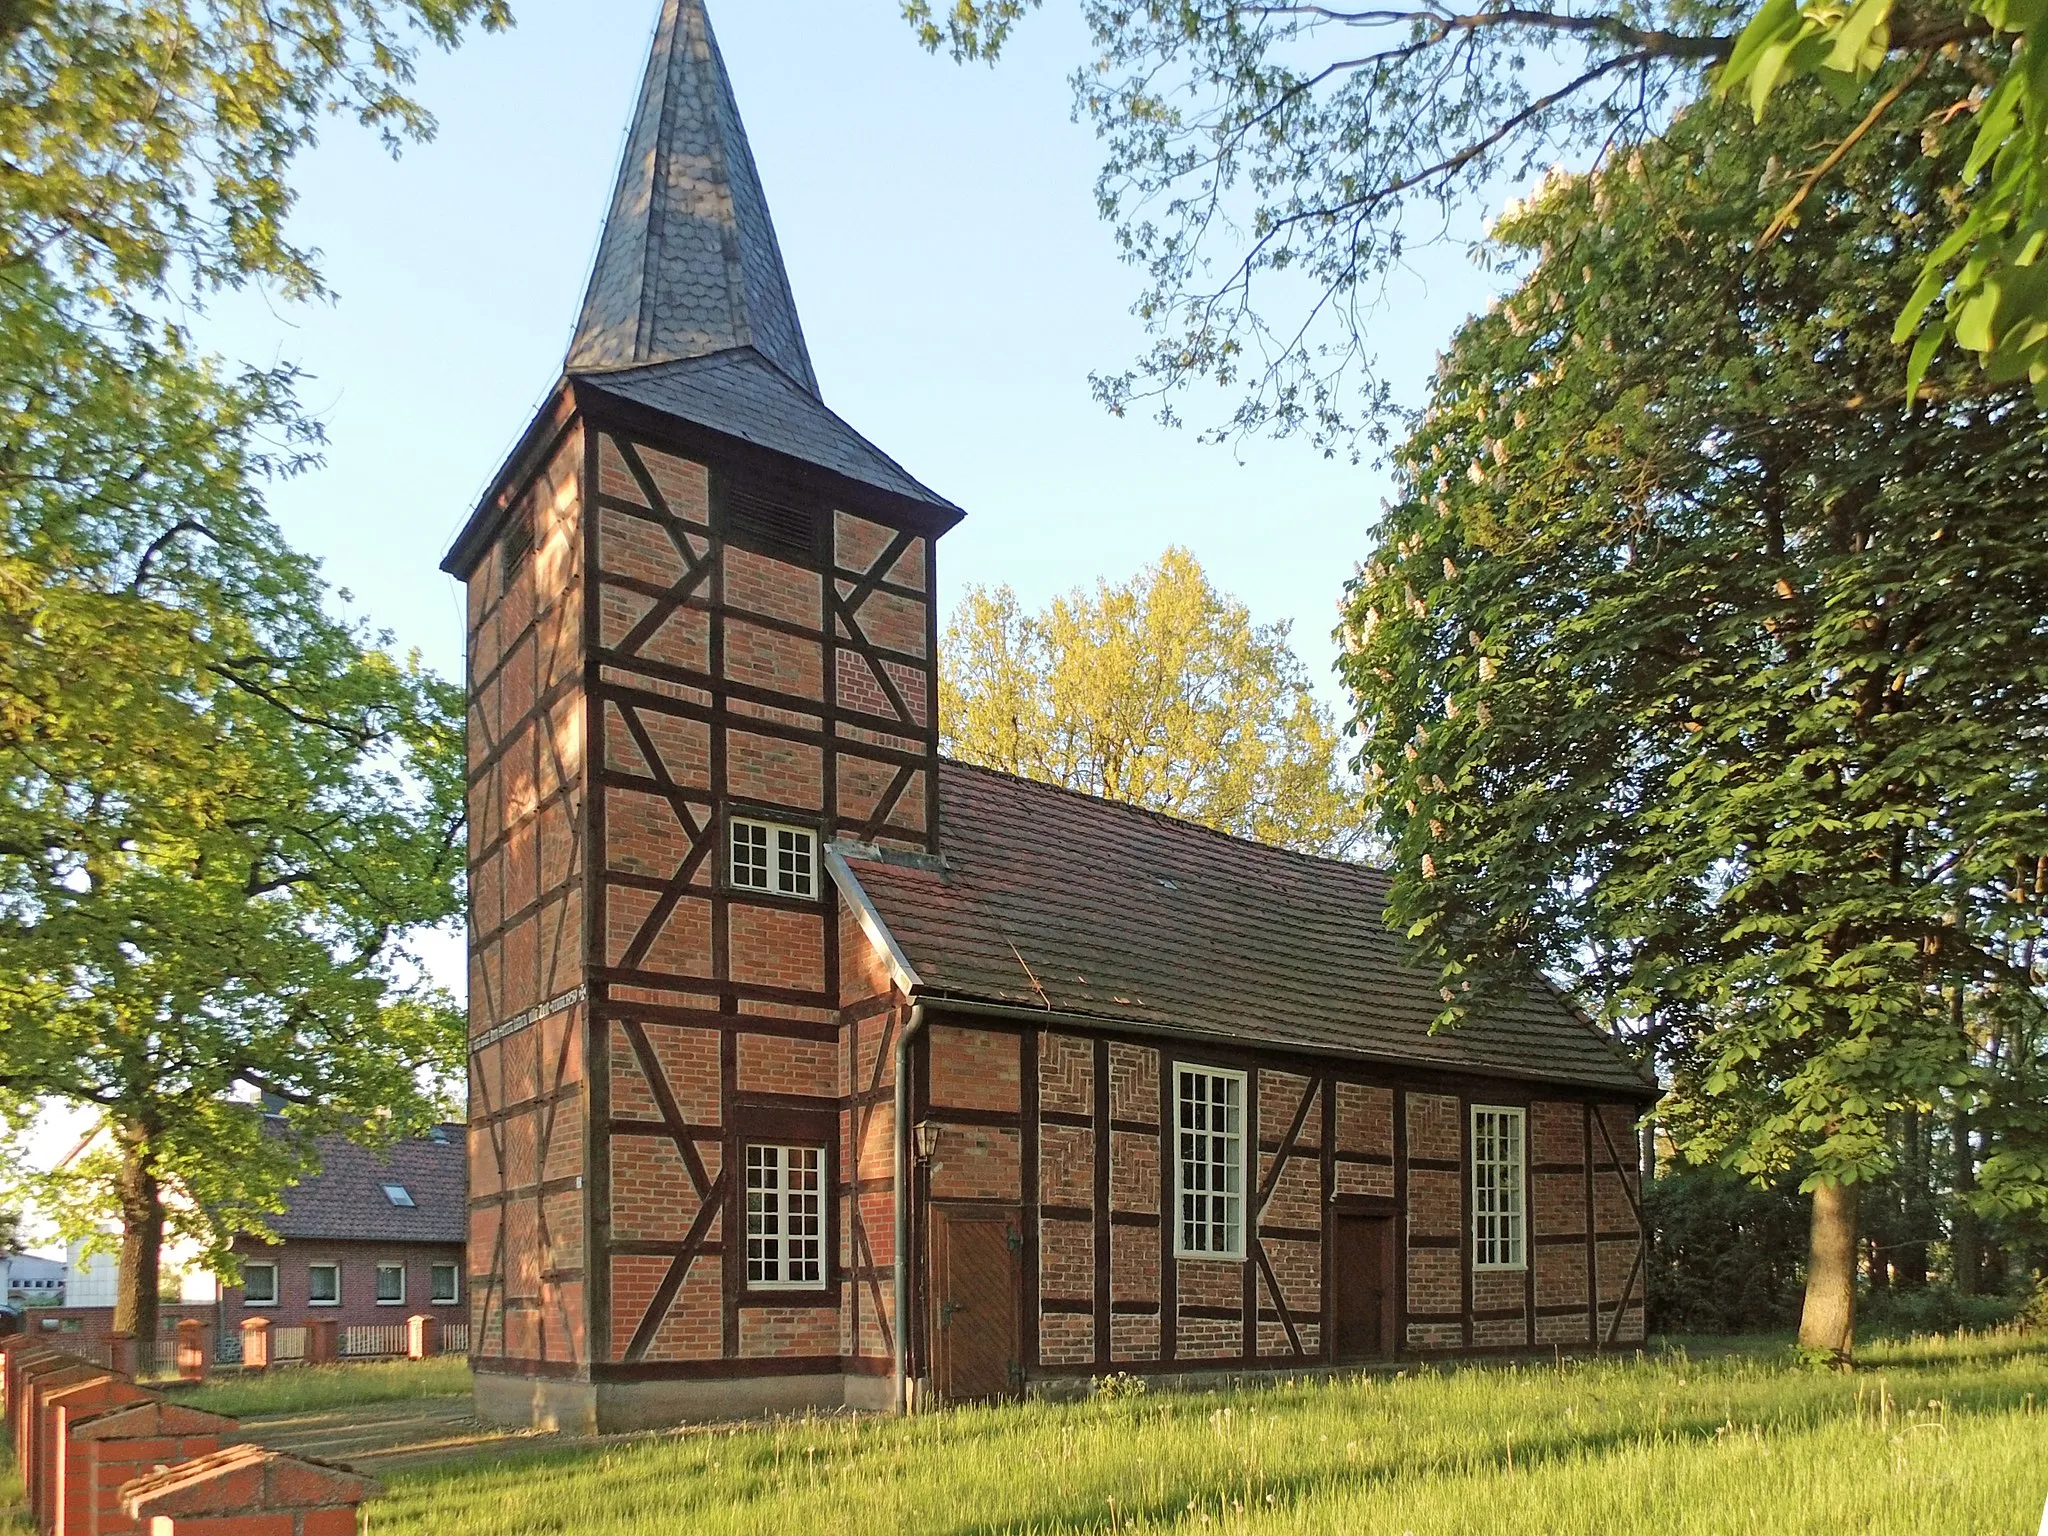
x=1934, y=1309
x=1725, y=1256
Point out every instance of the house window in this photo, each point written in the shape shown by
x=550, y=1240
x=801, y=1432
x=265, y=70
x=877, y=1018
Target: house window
x=447, y=1284
x=1497, y=1203
x=390, y=1285
x=323, y=1285
x=259, y=1285
x=786, y=1218
x=770, y=857
x=1210, y=1113
x=400, y=1196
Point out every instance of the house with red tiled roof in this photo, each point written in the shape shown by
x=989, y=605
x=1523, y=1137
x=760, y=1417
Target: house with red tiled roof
x=810, y=1069
x=374, y=1237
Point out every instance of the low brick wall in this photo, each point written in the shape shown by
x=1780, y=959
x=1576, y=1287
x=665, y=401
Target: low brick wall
x=100, y=1455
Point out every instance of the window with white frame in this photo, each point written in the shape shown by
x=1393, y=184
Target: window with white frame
x=1209, y=1110
x=390, y=1285
x=1497, y=1188
x=785, y=1218
x=259, y=1285
x=323, y=1285
x=767, y=856
x=446, y=1284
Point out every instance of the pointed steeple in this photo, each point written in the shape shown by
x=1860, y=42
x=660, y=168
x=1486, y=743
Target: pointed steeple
x=688, y=265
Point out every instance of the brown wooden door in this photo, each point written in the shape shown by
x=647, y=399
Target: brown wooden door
x=975, y=1297
x=1362, y=1267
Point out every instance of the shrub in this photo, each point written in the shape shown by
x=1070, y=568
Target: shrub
x=1725, y=1256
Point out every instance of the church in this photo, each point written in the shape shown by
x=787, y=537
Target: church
x=809, y=1069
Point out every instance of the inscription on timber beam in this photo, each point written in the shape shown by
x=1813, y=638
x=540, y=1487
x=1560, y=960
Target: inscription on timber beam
x=533, y=1015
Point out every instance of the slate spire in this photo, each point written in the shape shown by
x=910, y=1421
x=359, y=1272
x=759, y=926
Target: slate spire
x=688, y=265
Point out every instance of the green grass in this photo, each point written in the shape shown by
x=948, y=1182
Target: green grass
x=311, y=1388
x=1930, y=1436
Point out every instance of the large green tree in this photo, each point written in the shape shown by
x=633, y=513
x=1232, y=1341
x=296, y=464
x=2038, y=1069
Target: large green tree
x=224, y=810
x=1161, y=692
x=1698, y=669
x=1270, y=167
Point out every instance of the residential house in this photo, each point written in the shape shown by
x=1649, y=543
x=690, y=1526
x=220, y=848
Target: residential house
x=374, y=1237
x=808, y=1068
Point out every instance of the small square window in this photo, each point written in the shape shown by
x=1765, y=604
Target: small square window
x=767, y=856
x=447, y=1284
x=390, y=1285
x=400, y=1196
x=259, y=1285
x=323, y=1285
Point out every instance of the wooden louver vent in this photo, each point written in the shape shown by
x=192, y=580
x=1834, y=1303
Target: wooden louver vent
x=771, y=519
x=514, y=547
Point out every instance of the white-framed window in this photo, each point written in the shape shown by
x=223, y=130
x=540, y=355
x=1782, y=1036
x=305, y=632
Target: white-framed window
x=259, y=1285
x=1209, y=1111
x=767, y=856
x=1498, y=1193
x=390, y=1285
x=400, y=1196
x=444, y=1284
x=323, y=1285
x=785, y=1218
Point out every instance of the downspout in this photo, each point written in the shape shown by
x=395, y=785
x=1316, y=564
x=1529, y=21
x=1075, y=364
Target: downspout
x=904, y=1186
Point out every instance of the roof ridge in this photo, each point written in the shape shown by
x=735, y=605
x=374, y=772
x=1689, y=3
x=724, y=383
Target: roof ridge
x=1169, y=820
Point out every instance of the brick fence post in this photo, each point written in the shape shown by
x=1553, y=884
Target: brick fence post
x=255, y=1343
x=246, y=1490
x=38, y=1382
x=323, y=1341
x=115, y=1448
x=191, y=1350
x=422, y=1336
x=66, y=1492
x=121, y=1352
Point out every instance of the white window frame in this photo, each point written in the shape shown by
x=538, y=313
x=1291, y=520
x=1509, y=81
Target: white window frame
x=454, y=1296
x=250, y=1268
x=314, y=1301
x=770, y=1217
x=384, y=1269
x=788, y=858
x=1500, y=1187
x=1234, y=1200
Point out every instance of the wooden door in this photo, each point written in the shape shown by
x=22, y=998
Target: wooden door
x=976, y=1292
x=1362, y=1265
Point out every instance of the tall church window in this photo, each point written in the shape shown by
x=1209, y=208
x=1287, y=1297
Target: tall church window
x=1209, y=1111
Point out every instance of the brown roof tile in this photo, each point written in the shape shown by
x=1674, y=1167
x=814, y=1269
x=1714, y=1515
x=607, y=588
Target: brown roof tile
x=345, y=1200
x=1052, y=899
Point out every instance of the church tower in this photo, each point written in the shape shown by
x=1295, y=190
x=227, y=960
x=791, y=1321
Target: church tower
x=700, y=638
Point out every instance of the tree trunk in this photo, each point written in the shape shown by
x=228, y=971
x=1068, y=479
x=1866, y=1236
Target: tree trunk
x=1828, y=1320
x=1962, y=1242
x=142, y=1237
x=1917, y=1208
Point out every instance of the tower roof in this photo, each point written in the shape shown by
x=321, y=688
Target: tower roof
x=688, y=265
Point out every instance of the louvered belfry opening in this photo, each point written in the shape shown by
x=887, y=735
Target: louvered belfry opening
x=769, y=516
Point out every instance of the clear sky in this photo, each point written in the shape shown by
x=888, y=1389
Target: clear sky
x=955, y=284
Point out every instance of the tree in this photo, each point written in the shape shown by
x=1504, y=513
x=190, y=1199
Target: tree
x=222, y=809
x=1269, y=166
x=1161, y=692
x=1692, y=668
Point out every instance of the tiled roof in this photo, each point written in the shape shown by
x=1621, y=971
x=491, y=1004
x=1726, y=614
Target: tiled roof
x=345, y=1200
x=1051, y=899
x=744, y=395
x=688, y=263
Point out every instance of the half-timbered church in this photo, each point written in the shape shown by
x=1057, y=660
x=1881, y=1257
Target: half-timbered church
x=809, y=1068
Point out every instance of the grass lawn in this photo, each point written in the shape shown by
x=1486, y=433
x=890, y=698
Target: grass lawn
x=310, y=1388
x=1926, y=1437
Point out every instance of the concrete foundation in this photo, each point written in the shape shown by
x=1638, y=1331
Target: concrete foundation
x=572, y=1407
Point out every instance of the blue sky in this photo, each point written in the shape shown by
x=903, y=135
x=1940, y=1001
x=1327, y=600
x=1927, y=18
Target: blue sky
x=954, y=280
x=955, y=283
